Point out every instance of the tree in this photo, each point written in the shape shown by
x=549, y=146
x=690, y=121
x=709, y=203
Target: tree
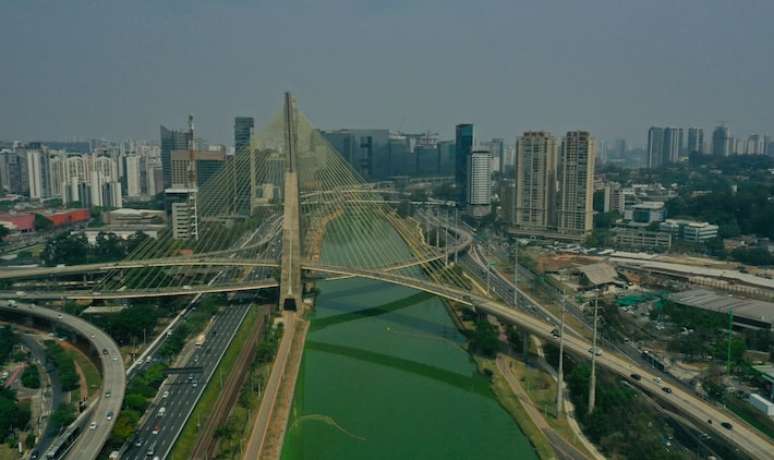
x=69, y=249
x=31, y=377
x=135, y=241
x=61, y=417
x=42, y=224
x=109, y=247
x=484, y=339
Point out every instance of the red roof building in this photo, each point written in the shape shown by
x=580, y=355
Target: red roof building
x=18, y=222
x=68, y=217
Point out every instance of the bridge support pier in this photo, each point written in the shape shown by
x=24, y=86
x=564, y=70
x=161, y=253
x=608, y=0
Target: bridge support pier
x=291, y=287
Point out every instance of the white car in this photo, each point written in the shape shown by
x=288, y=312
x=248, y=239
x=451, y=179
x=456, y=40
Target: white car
x=93, y=426
x=165, y=395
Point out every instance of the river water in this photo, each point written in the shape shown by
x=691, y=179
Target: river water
x=384, y=375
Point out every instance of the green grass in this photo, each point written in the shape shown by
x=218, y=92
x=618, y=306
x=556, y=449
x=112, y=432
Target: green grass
x=189, y=436
x=93, y=377
x=512, y=404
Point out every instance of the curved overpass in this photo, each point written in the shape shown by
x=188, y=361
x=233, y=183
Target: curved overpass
x=744, y=437
x=90, y=442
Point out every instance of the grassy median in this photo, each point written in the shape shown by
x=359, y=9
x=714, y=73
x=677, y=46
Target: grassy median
x=189, y=436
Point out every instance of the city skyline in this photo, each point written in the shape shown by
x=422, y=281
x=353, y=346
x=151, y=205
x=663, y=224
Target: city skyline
x=212, y=74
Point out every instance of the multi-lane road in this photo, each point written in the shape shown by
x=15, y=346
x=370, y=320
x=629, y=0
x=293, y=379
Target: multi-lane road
x=179, y=393
x=97, y=426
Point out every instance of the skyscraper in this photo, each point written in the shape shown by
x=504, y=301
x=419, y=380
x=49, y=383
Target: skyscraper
x=497, y=151
x=576, y=181
x=720, y=142
x=479, y=183
x=38, y=171
x=756, y=145
x=172, y=140
x=535, y=174
x=463, y=148
x=243, y=130
x=663, y=146
x=133, y=175
x=695, y=140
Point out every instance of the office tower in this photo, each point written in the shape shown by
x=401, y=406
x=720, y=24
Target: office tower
x=720, y=142
x=576, y=180
x=243, y=131
x=508, y=200
x=446, y=151
x=133, y=172
x=373, y=153
x=463, y=148
x=188, y=174
x=172, y=140
x=695, y=140
x=479, y=183
x=663, y=146
x=535, y=174
x=497, y=151
x=38, y=173
x=620, y=147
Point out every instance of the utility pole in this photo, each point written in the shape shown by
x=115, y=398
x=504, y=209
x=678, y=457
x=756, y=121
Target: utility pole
x=560, y=378
x=730, y=331
x=456, y=225
x=516, y=275
x=446, y=238
x=593, y=380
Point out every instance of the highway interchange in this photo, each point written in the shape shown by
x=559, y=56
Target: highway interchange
x=97, y=426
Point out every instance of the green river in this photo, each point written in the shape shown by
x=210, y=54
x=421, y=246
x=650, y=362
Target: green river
x=384, y=374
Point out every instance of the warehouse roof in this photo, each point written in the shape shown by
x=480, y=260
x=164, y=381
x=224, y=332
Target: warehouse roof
x=705, y=299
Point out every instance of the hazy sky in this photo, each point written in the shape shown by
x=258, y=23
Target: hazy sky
x=118, y=69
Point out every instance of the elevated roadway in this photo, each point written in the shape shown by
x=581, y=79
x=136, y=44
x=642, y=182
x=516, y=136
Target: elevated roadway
x=90, y=442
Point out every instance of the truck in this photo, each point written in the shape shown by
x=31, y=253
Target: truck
x=762, y=404
x=200, y=340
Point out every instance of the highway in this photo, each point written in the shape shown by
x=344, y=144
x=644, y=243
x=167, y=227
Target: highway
x=90, y=442
x=158, y=433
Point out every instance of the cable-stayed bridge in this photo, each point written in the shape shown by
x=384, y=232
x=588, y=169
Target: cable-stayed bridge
x=260, y=223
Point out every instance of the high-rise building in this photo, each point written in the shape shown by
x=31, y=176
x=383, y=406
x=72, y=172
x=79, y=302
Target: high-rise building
x=133, y=173
x=446, y=151
x=172, y=140
x=756, y=145
x=13, y=171
x=720, y=142
x=695, y=140
x=187, y=174
x=464, y=138
x=497, y=151
x=105, y=183
x=38, y=173
x=479, y=183
x=663, y=146
x=243, y=131
x=535, y=175
x=508, y=200
x=576, y=180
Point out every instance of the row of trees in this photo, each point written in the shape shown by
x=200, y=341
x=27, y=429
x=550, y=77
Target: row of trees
x=74, y=248
x=63, y=362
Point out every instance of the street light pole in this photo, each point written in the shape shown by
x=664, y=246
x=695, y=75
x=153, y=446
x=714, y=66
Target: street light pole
x=516, y=275
x=456, y=225
x=593, y=380
x=560, y=378
x=446, y=238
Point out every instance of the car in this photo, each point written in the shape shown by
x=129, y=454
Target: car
x=60, y=316
x=155, y=430
x=93, y=426
x=726, y=425
x=165, y=395
x=598, y=353
x=195, y=384
x=555, y=332
x=107, y=395
x=109, y=416
x=150, y=451
x=138, y=443
x=93, y=336
x=636, y=377
x=666, y=390
x=115, y=358
x=187, y=287
x=104, y=351
x=657, y=380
